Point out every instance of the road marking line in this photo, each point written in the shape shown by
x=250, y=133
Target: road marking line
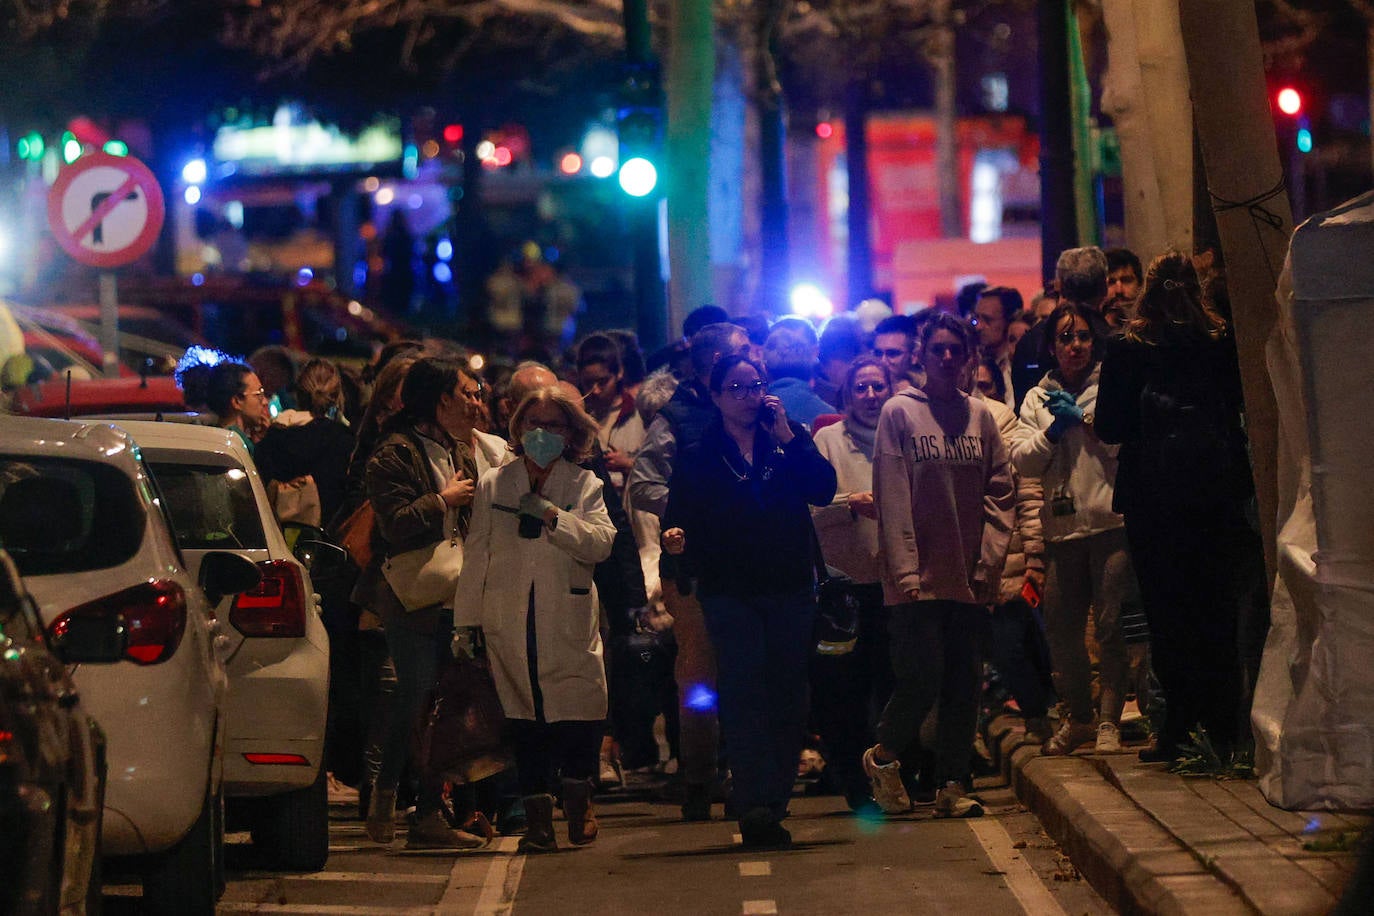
x=760, y=908
x=332, y=909
x=377, y=877
x=498, y=887
x=1035, y=898
x=755, y=869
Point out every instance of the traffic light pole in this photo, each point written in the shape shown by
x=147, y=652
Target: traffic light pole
x=642, y=213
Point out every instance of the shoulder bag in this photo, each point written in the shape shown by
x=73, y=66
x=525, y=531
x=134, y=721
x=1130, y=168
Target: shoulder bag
x=426, y=576
x=837, y=607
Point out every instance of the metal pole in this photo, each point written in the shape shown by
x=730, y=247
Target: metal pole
x=1058, y=223
x=109, y=323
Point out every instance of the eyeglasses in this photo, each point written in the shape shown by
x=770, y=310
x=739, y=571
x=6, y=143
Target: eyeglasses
x=943, y=349
x=975, y=319
x=890, y=354
x=260, y=393
x=1068, y=337
x=740, y=391
x=862, y=388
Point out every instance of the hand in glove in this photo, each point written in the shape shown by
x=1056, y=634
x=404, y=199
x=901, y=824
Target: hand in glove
x=1066, y=412
x=536, y=506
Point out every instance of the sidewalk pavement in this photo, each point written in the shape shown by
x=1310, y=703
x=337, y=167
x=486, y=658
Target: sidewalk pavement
x=1153, y=842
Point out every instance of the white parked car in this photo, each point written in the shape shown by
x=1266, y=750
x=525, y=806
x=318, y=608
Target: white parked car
x=81, y=518
x=274, y=777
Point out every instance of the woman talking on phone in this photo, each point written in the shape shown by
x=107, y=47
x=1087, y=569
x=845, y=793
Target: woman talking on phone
x=739, y=510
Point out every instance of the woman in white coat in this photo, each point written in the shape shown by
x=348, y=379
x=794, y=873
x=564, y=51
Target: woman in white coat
x=539, y=526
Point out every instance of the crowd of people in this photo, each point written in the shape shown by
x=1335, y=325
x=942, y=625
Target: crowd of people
x=632, y=542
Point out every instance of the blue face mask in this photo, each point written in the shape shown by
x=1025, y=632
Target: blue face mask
x=543, y=447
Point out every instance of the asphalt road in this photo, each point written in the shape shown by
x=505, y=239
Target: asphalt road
x=647, y=860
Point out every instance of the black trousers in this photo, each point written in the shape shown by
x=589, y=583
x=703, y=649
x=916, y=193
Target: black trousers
x=1196, y=570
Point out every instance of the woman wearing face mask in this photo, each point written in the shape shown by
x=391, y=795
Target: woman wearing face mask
x=849, y=687
x=420, y=481
x=739, y=509
x=1087, y=563
x=539, y=527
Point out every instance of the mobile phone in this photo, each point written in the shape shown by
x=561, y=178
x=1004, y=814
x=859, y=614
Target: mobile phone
x=1031, y=593
x=767, y=414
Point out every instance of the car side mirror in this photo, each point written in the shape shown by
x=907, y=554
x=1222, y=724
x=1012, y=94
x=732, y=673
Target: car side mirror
x=223, y=573
x=297, y=532
x=88, y=640
x=325, y=561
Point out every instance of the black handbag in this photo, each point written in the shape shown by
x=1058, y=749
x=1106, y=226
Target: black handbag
x=837, y=607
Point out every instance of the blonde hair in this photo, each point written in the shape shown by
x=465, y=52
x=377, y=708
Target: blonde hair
x=582, y=429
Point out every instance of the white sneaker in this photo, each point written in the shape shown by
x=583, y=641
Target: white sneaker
x=609, y=774
x=1108, y=738
x=952, y=802
x=885, y=779
x=1071, y=736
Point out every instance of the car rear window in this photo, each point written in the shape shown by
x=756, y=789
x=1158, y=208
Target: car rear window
x=211, y=506
x=61, y=515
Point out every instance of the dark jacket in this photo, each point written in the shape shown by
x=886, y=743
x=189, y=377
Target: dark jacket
x=319, y=448
x=410, y=515
x=1202, y=365
x=620, y=577
x=748, y=528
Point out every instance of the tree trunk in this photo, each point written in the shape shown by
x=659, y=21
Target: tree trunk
x=1231, y=104
x=1164, y=79
x=940, y=53
x=1058, y=223
x=774, y=260
x=690, y=77
x=859, y=263
x=1123, y=101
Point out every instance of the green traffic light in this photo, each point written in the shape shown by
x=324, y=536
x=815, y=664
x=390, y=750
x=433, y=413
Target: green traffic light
x=31, y=147
x=638, y=177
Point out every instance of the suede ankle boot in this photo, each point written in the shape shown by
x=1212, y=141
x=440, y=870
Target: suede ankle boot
x=578, y=809
x=539, y=835
x=381, y=816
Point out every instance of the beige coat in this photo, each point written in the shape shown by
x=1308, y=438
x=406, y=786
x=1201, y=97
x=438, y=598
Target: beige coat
x=501, y=568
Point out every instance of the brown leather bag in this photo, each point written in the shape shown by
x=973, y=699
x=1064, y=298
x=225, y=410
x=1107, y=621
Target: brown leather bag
x=355, y=534
x=296, y=500
x=461, y=735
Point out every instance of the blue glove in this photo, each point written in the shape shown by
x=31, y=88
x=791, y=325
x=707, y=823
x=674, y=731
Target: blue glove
x=1064, y=407
x=534, y=505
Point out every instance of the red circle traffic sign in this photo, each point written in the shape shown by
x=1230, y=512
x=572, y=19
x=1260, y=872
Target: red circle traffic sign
x=105, y=211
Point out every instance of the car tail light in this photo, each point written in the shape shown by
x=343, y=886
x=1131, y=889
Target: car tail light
x=276, y=607
x=294, y=760
x=154, y=617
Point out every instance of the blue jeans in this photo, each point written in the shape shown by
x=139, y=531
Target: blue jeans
x=763, y=644
x=417, y=657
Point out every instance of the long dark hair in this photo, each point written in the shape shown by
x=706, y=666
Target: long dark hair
x=1064, y=310
x=428, y=380
x=1171, y=306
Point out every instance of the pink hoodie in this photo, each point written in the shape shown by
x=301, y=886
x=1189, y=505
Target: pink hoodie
x=943, y=485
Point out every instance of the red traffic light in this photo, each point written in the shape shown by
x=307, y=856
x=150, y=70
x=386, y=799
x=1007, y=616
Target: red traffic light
x=1289, y=101
x=453, y=134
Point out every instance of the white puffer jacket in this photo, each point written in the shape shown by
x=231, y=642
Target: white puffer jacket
x=1079, y=465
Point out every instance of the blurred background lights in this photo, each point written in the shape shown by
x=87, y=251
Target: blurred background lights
x=71, y=150
x=385, y=196
x=116, y=147
x=808, y=301
x=602, y=167
x=638, y=177
x=570, y=164
x=444, y=250
x=304, y=276
x=1290, y=101
x=485, y=149
x=476, y=362
x=194, y=172
x=192, y=195
x=825, y=130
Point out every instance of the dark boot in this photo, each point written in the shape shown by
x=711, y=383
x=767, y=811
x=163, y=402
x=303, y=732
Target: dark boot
x=539, y=825
x=578, y=809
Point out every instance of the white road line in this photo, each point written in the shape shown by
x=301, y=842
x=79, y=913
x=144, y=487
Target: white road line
x=755, y=869
x=759, y=908
x=1021, y=879
x=365, y=876
x=315, y=909
x=499, y=885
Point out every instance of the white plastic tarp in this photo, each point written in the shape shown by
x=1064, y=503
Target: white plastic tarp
x=1313, y=711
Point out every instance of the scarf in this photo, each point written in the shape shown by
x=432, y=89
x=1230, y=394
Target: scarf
x=863, y=436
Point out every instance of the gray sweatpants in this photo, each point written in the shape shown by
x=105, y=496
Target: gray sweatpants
x=1081, y=573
